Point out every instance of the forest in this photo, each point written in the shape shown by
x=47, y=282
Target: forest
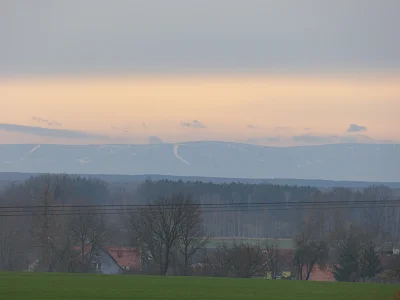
x=52, y=211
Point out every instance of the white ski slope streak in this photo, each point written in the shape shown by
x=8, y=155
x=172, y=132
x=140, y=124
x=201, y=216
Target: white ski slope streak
x=30, y=152
x=176, y=154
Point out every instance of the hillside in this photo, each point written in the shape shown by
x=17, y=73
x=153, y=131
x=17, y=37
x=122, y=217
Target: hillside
x=340, y=162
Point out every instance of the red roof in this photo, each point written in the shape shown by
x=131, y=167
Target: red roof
x=319, y=274
x=126, y=257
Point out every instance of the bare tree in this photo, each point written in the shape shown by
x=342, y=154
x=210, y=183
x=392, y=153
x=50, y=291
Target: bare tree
x=13, y=245
x=338, y=219
x=308, y=254
x=91, y=233
x=160, y=227
x=42, y=234
x=393, y=271
x=192, y=236
x=272, y=258
x=65, y=258
x=376, y=215
x=13, y=242
x=240, y=260
x=214, y=262
x=311, y=248
x=46, y=228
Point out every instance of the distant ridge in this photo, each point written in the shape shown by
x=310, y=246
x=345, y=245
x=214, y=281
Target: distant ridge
x=337, y=162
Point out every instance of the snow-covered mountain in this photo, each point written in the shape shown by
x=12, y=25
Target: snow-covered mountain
x=350, y=162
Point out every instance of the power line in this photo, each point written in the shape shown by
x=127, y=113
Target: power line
x=211, y=205
x=133, y=211
x=207, y=209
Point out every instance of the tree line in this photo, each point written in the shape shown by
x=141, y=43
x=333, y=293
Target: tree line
x=174, y=224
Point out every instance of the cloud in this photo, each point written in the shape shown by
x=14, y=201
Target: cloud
x=283, y=128
x=330, y=139
x=155, y=140
x=144, y=125
x=265, y=139
x=45, y=121
x=251, y=126
x=49, y=132
x=122, y=130
x=356, y=128
x=252, y=38
x=194, y=124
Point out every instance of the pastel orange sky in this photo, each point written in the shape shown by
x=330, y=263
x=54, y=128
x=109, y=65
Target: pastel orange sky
x=231, y=108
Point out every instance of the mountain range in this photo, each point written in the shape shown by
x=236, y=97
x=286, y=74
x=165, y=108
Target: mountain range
x=342, y=162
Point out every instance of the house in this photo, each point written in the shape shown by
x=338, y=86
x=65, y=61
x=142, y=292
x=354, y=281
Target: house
x=284, y=267
x=106, y=264
x=387, y=251
x=321, y=274
x=128, y=258
x=115, y=259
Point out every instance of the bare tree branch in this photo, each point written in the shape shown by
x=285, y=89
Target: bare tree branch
x=163, y=225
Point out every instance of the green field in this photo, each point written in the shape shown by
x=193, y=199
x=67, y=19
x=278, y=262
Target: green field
x=29, y=286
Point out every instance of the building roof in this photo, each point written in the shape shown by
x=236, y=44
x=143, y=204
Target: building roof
x=125, y=257
x=320, y=274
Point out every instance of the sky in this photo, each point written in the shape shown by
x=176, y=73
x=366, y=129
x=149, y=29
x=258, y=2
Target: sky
x=265, y=72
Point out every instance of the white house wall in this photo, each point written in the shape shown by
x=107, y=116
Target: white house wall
x=108, y=265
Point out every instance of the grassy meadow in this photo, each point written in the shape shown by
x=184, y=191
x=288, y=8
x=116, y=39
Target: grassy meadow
x=24, y=286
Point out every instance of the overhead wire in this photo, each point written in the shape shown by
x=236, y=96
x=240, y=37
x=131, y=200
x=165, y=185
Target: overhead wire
x=173, y=205
x=113, y=209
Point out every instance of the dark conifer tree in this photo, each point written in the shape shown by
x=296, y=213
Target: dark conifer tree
x=370, y=263
x=348, y=267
